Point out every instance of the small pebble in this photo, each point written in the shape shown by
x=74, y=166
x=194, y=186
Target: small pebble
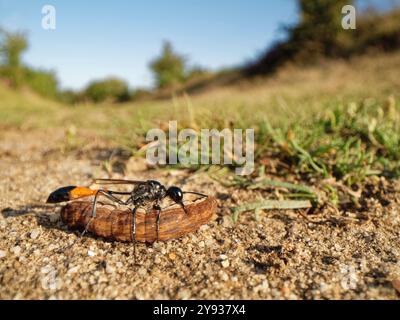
x=184, y=294
x=52, y=247
x=46, y=269
x=2, y=254
x=16, y=250
x=227, y=222
x=91, y=253
x=224, y=276
x=172, y=256
x=157, y=260
x=142, y=272
x=223, y=257
x=201, y=244
x=264, y=285
x=35, y=233
x=204, y=227
x=225, y=263
x=73, y=269
x=109, y=268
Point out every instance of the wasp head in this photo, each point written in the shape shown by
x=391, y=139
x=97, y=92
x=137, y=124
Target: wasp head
x=175, y=194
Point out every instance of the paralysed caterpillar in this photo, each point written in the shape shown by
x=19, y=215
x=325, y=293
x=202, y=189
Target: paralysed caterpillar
x=116, y=224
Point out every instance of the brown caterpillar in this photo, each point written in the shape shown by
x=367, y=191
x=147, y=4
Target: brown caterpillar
x=116, y=224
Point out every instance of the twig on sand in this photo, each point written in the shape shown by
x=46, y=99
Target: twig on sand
x=280, y=184
x=270, y=204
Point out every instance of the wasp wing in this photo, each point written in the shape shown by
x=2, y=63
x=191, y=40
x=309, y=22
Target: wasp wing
x=116, y=181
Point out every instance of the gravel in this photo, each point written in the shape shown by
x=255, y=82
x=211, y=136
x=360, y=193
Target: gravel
x=35, y=233
x=282, y=255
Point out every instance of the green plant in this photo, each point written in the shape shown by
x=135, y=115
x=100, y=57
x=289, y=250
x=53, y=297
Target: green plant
x=169, y=68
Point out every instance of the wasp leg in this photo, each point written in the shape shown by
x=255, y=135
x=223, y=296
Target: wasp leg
x=158, y=208
x=183, y=207
x=108, y=194
x=191, y=192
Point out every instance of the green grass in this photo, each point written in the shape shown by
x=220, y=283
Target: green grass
x=348, y=143
x=328, y=156
x=335, y=121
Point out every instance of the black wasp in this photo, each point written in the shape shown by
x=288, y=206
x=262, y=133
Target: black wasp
x=144, y=193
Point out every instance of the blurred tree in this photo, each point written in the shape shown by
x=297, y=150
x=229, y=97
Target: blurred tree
x=170, y=68
x=108, y=89
x=318, y=33
x=12, y=45
x=319, y=27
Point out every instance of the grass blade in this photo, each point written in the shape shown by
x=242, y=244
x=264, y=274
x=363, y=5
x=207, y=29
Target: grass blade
x=270, y=204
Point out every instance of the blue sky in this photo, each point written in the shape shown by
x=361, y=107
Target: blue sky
x=95, y=39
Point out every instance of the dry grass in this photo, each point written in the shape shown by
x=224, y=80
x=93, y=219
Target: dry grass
x=292, y=94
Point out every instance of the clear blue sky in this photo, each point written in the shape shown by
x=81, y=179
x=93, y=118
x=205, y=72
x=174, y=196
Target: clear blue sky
x=95, y=39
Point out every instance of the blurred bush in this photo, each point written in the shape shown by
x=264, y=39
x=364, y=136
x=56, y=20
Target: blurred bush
x=70, y=96
x=110, y=89
x=197, y=72
x=141, y=94
x=43, y=82
x=374, y=32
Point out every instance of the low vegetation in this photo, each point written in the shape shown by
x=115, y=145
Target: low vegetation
x=337, y=121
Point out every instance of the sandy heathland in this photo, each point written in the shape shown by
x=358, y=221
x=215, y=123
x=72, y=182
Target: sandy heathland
x=280, y=255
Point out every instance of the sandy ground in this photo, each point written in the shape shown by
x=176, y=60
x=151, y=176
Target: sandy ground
x=282, y=255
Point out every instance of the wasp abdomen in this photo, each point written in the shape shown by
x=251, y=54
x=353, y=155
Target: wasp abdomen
x=69, y=193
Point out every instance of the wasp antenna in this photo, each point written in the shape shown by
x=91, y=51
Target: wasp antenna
x=196, y=193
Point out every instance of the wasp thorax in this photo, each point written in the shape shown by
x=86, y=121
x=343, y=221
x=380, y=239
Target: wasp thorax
x=157, y=188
